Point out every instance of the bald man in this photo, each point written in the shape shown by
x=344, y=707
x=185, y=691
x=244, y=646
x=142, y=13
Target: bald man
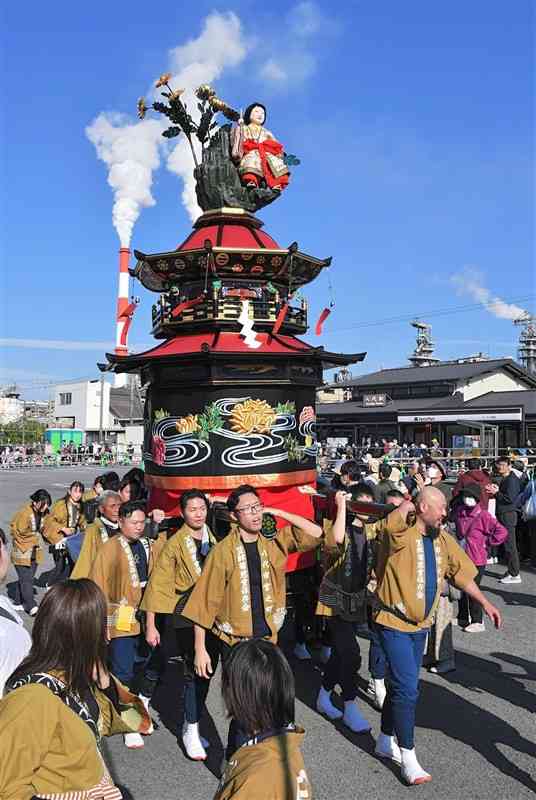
x=415, y=556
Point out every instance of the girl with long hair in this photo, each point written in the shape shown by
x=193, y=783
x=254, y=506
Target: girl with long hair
x=60, y=701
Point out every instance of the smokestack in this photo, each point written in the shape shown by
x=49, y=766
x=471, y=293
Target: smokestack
x=122, y=303
x=527, y=341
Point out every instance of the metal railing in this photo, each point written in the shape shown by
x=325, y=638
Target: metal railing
x=13, y=461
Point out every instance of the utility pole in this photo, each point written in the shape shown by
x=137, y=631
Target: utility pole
x=132, y=379
x=101, y=414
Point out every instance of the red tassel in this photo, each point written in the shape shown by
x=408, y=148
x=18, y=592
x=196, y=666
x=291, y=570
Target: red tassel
x=124, y=332
x=280, y=319
x=321, y=319
x=177, y=311
x=127, y=315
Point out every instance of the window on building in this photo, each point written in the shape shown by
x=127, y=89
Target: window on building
x=66, y=398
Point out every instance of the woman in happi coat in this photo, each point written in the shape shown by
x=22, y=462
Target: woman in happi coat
x=61, y=700
x=65, y=519
x=170, y=584
x=27, y=552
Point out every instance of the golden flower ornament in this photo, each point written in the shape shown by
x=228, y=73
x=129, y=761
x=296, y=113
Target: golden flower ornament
x=162, y=80
x=252, y=416
x=187, y=424
x=142, y=108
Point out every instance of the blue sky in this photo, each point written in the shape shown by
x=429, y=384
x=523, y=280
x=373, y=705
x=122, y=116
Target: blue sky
x=414, y=124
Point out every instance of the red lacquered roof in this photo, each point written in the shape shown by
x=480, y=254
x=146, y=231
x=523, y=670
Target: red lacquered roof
x=229, y=235
x=225, y=342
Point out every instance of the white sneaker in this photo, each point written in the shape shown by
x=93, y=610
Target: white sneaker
x=133, y=740
x=511, y=579
x=301, y=652
x=353, y=718
x=412, y=772
x=192, y=742
x=33, y=611
x=490, y=560
x=387, y=747
x=325, y=654
x=325, y=706
x=18, y=606
x=475, y=627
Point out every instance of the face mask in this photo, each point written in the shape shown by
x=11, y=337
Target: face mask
x=470, y=502
x=433, y=472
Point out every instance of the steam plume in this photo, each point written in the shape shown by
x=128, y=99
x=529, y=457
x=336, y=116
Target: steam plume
x=470, y=281
x=131, y=151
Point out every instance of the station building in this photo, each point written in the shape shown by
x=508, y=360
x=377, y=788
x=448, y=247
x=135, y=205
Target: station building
x=441, y=400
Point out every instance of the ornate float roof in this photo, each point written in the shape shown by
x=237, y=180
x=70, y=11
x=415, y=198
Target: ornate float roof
x=218, y=343
x=229, y=243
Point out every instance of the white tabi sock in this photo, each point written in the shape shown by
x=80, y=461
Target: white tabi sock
x=412, y=772
x=192, y=742
x=387, y=747
x=380, y=692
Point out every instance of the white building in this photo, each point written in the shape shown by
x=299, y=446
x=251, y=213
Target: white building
x=92, y=406
x=11, y=407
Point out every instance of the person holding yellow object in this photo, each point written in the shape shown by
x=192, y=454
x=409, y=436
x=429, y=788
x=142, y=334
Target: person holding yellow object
x=121, y=569
x=61, y=700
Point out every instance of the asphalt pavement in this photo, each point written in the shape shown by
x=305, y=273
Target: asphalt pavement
x=475, y=726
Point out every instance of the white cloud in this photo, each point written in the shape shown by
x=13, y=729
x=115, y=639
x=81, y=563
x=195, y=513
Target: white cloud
x=297, y=44
x=272, y=71
x=470, y=282
x=306, y=19
x=55, y=344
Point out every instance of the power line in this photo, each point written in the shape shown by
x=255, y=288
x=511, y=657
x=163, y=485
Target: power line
x=424, y=314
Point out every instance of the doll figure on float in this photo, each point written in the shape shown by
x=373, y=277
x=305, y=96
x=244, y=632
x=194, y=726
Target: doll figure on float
x=256, y=151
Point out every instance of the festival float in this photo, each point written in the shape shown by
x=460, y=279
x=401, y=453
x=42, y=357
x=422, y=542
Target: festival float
x=230, y=386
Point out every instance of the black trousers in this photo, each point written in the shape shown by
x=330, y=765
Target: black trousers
x=24, y=592
x=62, y=569
x=509, y=520
x=468, y=609
x=345, y=659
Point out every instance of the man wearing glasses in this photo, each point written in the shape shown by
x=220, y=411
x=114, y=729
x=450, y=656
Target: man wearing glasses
x=241, y=593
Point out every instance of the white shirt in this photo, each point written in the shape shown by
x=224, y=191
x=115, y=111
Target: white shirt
x=15, y=642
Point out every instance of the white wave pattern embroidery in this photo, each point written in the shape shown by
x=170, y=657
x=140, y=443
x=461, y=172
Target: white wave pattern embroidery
x=253, y=450
x=182, y=449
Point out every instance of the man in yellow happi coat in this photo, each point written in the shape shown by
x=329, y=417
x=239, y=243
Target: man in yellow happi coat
x=105, y=526
x=121, y=568
x=412, y=563
x=172, y=580
x=241, y=593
